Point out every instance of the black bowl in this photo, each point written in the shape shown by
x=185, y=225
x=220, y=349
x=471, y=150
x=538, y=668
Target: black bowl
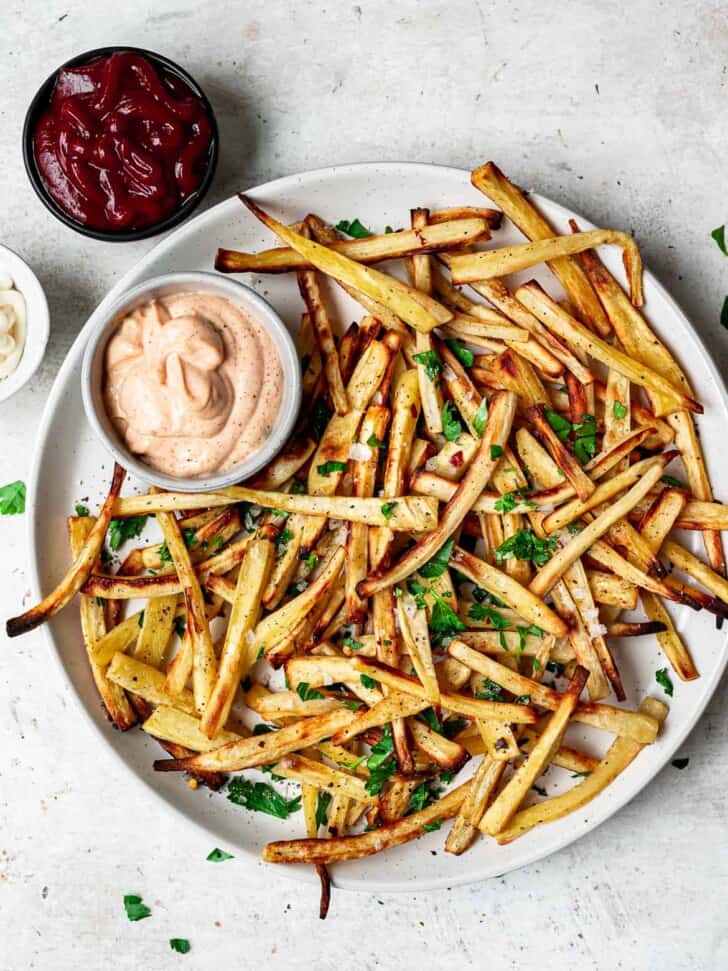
x=40, y=103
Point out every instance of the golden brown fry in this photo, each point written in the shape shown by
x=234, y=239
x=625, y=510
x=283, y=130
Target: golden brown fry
x=237, y=655
x=93, y=628
x=356, y=847
x=485, y=264
x=553, y=316
x=77, y=574
x=621, y=753
x=506, y=804
x=500, y=418
x=420, y=311
x=441, y=235
x=520, y=210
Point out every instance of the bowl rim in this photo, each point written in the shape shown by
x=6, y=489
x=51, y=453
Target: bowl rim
x=105, y=319
x=38, y=327
x=40, y=100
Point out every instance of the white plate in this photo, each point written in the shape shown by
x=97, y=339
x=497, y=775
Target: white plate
x=70, y=465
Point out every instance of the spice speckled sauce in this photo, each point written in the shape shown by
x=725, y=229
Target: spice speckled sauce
x=192, y=384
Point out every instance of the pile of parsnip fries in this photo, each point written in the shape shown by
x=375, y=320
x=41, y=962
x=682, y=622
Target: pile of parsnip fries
x=476, y=491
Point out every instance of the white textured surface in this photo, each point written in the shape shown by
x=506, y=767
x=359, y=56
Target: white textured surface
x=619, y=113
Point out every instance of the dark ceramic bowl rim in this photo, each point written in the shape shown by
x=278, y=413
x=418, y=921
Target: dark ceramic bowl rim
x=41, y=100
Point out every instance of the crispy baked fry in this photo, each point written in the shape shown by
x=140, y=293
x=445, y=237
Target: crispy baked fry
x=77, y=574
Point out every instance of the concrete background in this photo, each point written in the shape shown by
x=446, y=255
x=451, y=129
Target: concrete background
x=617, y=111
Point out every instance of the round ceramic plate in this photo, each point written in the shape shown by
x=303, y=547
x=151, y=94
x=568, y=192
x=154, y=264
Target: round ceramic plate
x=71, y=465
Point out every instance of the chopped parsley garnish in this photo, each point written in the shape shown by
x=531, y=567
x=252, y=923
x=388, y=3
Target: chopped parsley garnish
x=422, y=796
x=328, y=467
x=585, y=441
x=135, y=909
x=367, y=681
x=536, y=665
x=490, y=691
x=381, y=763
x=560, y=425
x=663, y=679
x=388, y=230
x=496, y=451
x=680, y=763
x=374, y=442
x=438, y=564
x=463, y=355
x=430, y=361
x=190, y=539
x=444, y=621
x=179, y=626
x=12, y=499
x=283, y=538
x=354, y=228
x=121, y=530
x=574, y=528
x=180, y=944
x=718, y=235
x=526, y=545
x=311, y=560
x=618, y=409
x=164, y=555
x=306, y=692
x=388, y=508
x=81, y=510
x=217, y=543
x=480, y=417
x=262, y=729
x=321, y=417
x=217, y=856
x=580, y=775
x=672, y=481
x=352, y=643
x=509, y=500
x=451, y=427
x=261, y=797
x=431, y=827
x=485, y=612
x=140, y=620
x=322, y=807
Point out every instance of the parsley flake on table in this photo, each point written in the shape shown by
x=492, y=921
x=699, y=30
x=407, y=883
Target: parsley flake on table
x=180, y=944
x=12, y=499
x=218, y=855
x=430, y=361
x=81, y=510
x=261, y=797
x=135, y=909
x=718, y=235
x=120, y=530
x=663, y=679
x=724, y=314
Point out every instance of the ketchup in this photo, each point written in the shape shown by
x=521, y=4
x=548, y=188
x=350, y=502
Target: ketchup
x=123, y=143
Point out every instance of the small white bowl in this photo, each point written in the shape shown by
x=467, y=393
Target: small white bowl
x=26, y=283
x=192, y=282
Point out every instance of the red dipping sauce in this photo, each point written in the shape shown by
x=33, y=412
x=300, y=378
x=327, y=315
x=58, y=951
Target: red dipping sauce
x=123, y=144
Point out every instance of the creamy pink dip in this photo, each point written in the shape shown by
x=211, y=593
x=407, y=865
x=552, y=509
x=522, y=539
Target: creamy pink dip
x=192, y=384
